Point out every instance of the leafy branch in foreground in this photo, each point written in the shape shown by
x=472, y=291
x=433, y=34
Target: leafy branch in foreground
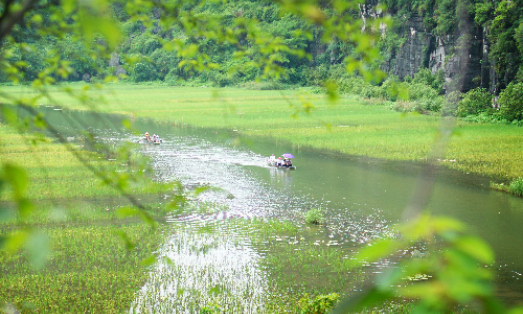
x=439, y=266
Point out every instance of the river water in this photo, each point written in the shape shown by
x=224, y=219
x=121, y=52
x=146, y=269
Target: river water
x=208, y=258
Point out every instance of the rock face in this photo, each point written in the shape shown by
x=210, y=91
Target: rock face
x=462, y=55
x=114, y=62
x=413, y=54
x=463, y=60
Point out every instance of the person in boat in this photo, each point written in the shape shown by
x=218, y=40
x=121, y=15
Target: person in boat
x=279, y=162
x=272, y=159
x=288, y=163
x=147, y=137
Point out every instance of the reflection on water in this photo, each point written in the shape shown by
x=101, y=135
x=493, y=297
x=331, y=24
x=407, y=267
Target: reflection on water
x=209, y=263
x=199, y=270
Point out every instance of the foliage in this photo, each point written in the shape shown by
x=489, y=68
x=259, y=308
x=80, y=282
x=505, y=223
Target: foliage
x=504, y=46
x=319, y=304
x=450, y=106
x=314, y=216
x=448, y=267
x=425, y=77
x=474, y=102
x=44, y=44
x=144, y=72
x=511, y=102
x=516, y=187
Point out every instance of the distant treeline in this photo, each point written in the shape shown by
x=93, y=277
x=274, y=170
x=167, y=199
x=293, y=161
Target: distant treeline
x=141, y=55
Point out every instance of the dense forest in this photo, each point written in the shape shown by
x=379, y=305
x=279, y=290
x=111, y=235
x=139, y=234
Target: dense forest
x=433, y=46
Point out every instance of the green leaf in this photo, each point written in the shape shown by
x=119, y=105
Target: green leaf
x=149, y=261
x=476, y=248
x=377, y=250
x=96, y=20
x=168, y=261
x=14, y=241
x=517, y=310
x=17, y=178
x=135, y=212
x=129, y=245
x=9, y=115
x=356, y=303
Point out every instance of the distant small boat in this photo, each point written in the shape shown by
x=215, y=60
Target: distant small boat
x=159, y=142
x=274, y=164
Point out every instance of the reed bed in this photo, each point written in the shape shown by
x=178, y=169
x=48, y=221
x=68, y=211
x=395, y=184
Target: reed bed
x=349, y=126
x=89, y=271
x=89, y=268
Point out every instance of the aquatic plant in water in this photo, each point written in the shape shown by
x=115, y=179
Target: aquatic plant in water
x=319, y=304
x=314, y=216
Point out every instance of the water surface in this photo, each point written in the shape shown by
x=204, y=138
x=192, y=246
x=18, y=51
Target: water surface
x=361, y=198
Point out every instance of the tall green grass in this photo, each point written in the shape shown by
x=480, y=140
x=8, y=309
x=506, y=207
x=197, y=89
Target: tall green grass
x=89, y=269
x=349, y=126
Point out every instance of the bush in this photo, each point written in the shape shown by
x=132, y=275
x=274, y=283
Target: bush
x=434, y=81
x=352, y=85
x=474, y=102
x=391, y=87
x=371, y=91
x=317, y=75
x=318, y=305
x=511, y=102
x=419, y=91
x=516, y=187
x=143, y=72
x=272, y=85
x=433, y=104
x=314, y=216
x=450, y=105
x=172, y=77
x=220, y=79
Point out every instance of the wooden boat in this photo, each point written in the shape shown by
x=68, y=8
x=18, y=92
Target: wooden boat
x=152, y=142
x=273, y=164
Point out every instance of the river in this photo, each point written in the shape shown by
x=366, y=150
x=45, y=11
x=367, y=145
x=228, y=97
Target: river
x=360, y=197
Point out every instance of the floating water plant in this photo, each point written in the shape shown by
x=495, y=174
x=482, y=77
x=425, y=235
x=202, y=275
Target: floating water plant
x=319, y=304
x=314, y=216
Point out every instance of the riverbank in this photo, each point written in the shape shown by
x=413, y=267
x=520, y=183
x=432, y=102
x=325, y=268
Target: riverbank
x=75, y=216
x=349, y=126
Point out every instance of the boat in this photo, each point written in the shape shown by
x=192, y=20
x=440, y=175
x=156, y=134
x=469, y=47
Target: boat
x=154, y=139
x=273, y=164
x=144, y=141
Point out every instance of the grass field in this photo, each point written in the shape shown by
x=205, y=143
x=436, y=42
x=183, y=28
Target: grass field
x=349, y=126
x=89, y=269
